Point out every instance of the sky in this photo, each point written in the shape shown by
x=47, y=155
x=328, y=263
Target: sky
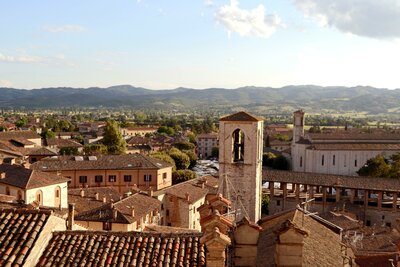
x=160, y=44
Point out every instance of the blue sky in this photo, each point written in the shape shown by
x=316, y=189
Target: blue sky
x=161, y=44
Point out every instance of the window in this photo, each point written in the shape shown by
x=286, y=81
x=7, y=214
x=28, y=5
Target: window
x=57, y=192
x=19, y=195
x=301, y=161
x=323, y=160
x=112, y=178
x=83, y=179
x=167, y=213
x=162, y=206
x=238, y=145
x=7, y=191
x=164, y=175
x=333, y=160
x=98, y=178
x=278, y=202
x=355, y=163
x=107, y=226
x=147, y=177
x=127, y=178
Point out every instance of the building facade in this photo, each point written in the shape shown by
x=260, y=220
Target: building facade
x=240, y=163
x=205, y=144
x=342, y=152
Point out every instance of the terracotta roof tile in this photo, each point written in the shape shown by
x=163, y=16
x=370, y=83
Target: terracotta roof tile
x=356, y=182
x=19, y=134
x=241, y=116
x=60, y=143
x=21, y=177
x=101, y=162
x=19, y=230
x=83, y=248
x=356, y=146
x=88, y=201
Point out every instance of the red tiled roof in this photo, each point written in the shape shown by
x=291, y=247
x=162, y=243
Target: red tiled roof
x=142, y=205
x=355, y=136
x=355, y=146
x=241, y=116
x=60, y=143
x=88, y=201
x=19, y=230
x=19, y=134
x=21, y=177
x=83, y=248
x=355, y=182
x=101, y=162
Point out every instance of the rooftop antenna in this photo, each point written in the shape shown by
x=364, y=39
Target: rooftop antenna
x=304, y=209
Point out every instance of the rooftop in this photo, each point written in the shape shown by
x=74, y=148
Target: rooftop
x=19, y=230
x=241, y=116
x=330, y=180
x=101, y=162
x=21, y=177
x=84, y=248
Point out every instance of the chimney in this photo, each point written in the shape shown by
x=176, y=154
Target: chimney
x=133, y=213
x=114, y=212
x=150, y=192
x=71, y=215
x=203, y=184
x=104, y=199
x=96, y=196
x=82, y=192
x=2, y=175
x=187, y=197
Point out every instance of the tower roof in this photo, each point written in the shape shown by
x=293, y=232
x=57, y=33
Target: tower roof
x=241, y=116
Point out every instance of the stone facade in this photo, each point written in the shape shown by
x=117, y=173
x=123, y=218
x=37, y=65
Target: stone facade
x=240, y=162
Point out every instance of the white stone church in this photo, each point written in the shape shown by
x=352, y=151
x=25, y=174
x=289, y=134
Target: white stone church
x=341, y=152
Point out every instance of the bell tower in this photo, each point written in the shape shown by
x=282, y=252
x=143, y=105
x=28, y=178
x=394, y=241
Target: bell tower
x=298, y=125
x=240, y=163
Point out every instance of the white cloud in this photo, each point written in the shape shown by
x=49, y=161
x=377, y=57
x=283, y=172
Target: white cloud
x=371, y=18
x=65, y=28
x=209, y=2
x=20, y=59
x=252, y=22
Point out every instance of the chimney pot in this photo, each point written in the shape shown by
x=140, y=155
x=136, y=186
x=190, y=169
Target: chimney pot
x=187, y=196
x=133, y=213
x=96, y=196
x=104, y=199
x=150, y=193
x=2, y=175
x=82, y=192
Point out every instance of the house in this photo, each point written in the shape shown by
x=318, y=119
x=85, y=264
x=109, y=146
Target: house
x=121, y=172
x=60, y=143
x=139, y=144
x=180, y=201
x=138, y=131
x=49, y=190
x=341, y=152
x=24, y=136
x=205, y=144
x=131, y=213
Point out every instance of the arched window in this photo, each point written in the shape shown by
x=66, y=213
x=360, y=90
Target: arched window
x=8, y=191
x=301, y=161
x=57, y=192
x=323, y=160
x=19, y=195
x=333, y=160
x=238, y=145
x=39, y=197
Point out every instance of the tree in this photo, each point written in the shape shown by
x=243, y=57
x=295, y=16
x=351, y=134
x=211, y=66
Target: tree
x=182, y=161
x=95, y=149
x=268, y=159
x=68, y=151
x=180, y=176
x=215, y=152
x=184, y=145
x=192, y=156
x=21, y=122
x=112, y=138
x=265, y=204
x=166, y=130
x=280, y=163
x=377, y=167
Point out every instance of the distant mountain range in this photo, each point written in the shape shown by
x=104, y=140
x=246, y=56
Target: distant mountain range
x=260, y=100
